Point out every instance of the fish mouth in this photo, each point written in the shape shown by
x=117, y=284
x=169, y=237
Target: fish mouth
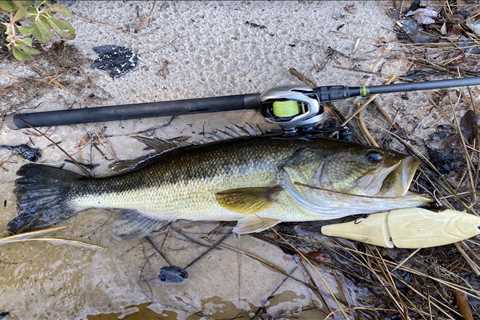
x=372, y=183
x=398, y=181
x=392, y=180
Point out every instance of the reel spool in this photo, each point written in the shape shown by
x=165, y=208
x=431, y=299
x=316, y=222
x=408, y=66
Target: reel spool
x=292, y=108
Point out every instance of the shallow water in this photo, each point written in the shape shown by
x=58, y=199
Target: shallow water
x=45, y=281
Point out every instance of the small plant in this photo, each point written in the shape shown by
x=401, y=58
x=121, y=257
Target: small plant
x=32, y=20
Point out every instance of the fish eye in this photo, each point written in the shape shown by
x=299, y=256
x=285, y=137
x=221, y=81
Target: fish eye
x=374, y=156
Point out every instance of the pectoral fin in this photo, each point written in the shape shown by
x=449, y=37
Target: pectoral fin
x=246, y=200
x=254, y=224
x=134, y=225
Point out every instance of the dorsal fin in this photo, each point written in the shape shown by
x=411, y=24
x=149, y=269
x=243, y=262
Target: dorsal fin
x=232, y=132
x=158, y=144
x=161, y=146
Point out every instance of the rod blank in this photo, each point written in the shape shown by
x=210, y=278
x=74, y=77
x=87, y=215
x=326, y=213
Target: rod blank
x=133, y=111
x=427, y=85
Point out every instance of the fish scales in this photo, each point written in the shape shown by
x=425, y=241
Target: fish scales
x=185, y=182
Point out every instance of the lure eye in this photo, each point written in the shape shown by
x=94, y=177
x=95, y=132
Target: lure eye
x=374, y=156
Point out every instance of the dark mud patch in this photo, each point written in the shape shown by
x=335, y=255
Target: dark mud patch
x=115, y=60
x=444, y=150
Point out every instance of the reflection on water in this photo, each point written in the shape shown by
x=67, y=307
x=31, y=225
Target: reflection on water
x=214, y=308
x=143, y=313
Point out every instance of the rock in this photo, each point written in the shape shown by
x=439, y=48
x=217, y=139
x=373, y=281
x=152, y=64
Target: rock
x=423, y=15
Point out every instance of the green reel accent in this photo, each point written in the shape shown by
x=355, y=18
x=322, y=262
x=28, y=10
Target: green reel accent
x=363, y=91
x=284, y=109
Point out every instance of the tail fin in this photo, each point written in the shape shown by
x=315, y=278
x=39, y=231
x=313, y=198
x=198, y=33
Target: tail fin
x=42, y=197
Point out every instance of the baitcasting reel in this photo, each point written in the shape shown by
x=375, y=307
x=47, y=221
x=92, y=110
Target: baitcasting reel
x=292, y=108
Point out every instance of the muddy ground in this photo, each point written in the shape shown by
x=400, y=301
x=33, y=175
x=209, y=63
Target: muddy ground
x=185, y=50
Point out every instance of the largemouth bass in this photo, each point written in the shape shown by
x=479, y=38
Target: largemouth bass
x=257, y=181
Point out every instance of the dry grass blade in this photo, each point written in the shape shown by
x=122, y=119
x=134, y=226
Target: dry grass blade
x=387, y=282
x=364, y=105
x=270, y=296
x=31, y=234
x=303, y=78
x=433, y=301
x=35, y=236
x=410, y=256
x=380, y=270
x=56, y=241
x=470, y=292
x=475, y=267
x=82, y=168
x=268, y=264
x=468, y=159
x=341, y=308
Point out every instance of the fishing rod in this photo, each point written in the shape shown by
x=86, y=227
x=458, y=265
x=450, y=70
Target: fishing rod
x=291, y=107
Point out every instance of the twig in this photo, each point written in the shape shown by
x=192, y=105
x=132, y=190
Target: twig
x=468, y=160
x=213, y=246
x=268, y=264
x=270, y=296
x=149, y=240
x=406, y=259
x=468, y=291
x=189, y=238
x=300, y=76
x=463, y=306
x=363, y=106
x=363, y=128
x=470, y=261
x=58, y=146
x=325, y=283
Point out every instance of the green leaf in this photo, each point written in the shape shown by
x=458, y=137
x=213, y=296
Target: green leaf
x=20, y=14
x=32, y=12
x=22, y=3
x=20, y=55
x=41, y=30
x=62, y=27
x=25, y=31
x=25, y=41
x=58, y=8
x=7, y=5
x=27, y=49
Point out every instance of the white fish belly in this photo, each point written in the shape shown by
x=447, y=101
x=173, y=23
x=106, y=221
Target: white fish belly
x=160, y=206
x=195, y=201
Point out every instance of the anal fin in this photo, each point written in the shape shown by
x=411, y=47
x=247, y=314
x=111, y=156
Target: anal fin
x=254, y=224
x=133, y=225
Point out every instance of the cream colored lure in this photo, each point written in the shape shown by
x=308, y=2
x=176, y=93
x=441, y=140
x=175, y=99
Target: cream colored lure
x=257, y=181
x=408, y=228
